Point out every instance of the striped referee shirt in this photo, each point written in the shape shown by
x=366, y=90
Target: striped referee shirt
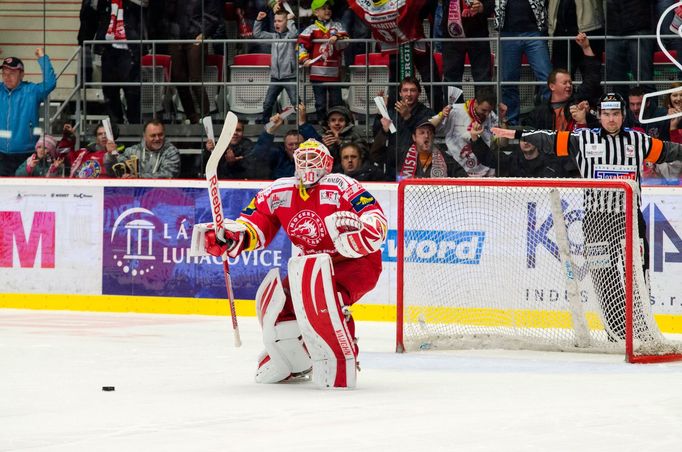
x=600, y=155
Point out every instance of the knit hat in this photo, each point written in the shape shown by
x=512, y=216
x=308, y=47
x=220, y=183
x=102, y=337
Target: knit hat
x=50, y=144
x=317, y=4
x=343, y=111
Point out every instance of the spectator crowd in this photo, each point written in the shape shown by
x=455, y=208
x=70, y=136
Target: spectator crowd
x=430, y=130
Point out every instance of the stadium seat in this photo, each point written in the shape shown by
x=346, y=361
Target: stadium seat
x=371, y=79
x=248, y=70
x=154, y=69
x=252, y=59
x=375, y=59
x=305, y=90
x=527, y=92
x=213, y=72
x=664, y=69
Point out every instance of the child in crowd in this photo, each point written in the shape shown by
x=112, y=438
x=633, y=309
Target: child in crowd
x=323, y=58
x=283, y=64
x=45, y=162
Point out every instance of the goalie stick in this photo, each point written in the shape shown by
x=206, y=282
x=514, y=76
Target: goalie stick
x=216, y=205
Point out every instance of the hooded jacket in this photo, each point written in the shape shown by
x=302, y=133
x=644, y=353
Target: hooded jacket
x=161, y=164
x=283, y=53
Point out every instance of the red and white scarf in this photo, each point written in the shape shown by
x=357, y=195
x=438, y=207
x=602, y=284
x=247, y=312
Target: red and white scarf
x=116, y=30
x=438, y=166
x=471, y=109
x=455, y=29
x=456, y=11
x=77, y=162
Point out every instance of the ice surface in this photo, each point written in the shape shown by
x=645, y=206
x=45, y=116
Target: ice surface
x=182, y=386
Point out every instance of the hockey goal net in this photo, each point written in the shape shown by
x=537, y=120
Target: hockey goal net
x=544, y=264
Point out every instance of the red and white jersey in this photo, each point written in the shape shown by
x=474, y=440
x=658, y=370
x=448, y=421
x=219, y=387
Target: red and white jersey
x=87, y=165
x=326, y=68
x=281, y=204
x=393, y=21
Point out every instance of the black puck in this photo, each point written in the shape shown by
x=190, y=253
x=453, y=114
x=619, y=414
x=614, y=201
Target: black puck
x=108, y=388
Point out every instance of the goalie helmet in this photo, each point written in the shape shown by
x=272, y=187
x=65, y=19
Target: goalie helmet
x=313, y=161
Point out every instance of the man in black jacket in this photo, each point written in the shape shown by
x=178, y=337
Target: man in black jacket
x=120, y=61
x=189, y=19
x=472, y=23
x=406, y=115
x=624, y=18
x=522, y=160
x=567, y=107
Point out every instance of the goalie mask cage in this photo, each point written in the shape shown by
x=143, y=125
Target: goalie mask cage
x=540, y=264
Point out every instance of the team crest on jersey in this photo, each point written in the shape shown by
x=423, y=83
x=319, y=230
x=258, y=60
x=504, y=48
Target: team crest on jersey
x=91, y=169
x=330, y=197
x=362, y=200
x=279, y=200
x=307, y=226
x=251, y=208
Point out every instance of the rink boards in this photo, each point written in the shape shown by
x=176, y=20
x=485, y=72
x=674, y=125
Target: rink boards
x=122, y=246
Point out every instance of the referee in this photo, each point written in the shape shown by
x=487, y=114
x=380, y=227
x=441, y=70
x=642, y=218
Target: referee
x=604, y=153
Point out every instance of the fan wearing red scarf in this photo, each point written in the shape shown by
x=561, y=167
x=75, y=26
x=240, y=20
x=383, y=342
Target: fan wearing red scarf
x=339, y=228
x=459, y=120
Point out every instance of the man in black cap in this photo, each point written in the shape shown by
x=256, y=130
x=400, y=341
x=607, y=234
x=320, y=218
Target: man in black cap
x=19, y=109
x=424, y=159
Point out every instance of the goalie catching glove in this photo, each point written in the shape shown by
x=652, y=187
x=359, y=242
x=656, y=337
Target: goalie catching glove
x=206, y=241
x=356, y=236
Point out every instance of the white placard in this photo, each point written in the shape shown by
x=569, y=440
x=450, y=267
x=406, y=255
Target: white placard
x=106, y=122
x=453, y=94
x=381, y=105
x=288, y=111
x=207, y=121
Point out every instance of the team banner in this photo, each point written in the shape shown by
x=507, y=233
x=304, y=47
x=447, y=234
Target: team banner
x=146, y=239
x=661, y=209
x=50, y=239
x=88, y=239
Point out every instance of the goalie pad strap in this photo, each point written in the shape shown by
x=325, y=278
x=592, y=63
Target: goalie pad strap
x=322, y=321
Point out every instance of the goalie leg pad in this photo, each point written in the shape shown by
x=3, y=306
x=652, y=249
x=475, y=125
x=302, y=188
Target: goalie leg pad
x=285, y=356
x=322, y=321
x=284, y=353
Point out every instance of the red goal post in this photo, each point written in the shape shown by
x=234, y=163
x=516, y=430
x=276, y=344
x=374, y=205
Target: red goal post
x=545, y=264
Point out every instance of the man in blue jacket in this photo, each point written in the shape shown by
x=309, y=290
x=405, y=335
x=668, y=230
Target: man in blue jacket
x=19, y=110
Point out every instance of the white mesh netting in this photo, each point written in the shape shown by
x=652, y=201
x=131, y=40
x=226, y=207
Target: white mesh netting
x=501, y=267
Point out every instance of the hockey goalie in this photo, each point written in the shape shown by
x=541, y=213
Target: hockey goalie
x=339, y=228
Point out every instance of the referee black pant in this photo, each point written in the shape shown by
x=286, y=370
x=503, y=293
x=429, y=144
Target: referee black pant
x=609, y=278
